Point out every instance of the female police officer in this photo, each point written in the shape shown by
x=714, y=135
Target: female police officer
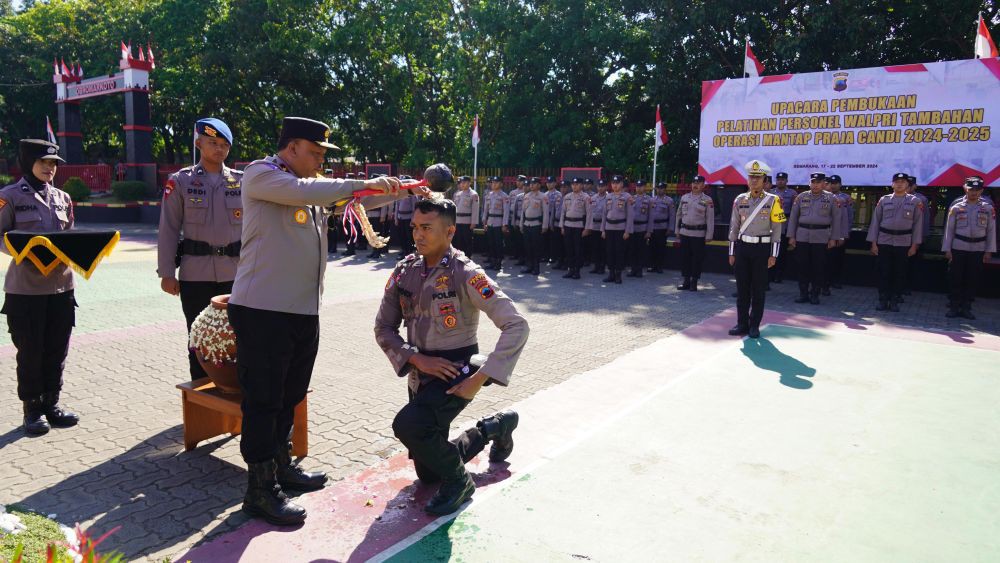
x=39, y=308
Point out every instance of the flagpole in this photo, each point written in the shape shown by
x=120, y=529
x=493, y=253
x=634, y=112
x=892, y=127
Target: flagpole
x=475, y=168
x=655, y=151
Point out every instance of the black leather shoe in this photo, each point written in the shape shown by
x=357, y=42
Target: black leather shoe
x=264, y=498
x=754, y=332
x=57, y=416
x=452, y=495
x=568, y=275
x=499, y=429
x=535, y=272
x=293, y=477
x=632, y=274
x=575, y=275
x=618, y=277
x=348, y=253
x=814, y=299
x=526, y=270
x=739, y=330
x=34, y=421
x=686, y=285
x=803, y=298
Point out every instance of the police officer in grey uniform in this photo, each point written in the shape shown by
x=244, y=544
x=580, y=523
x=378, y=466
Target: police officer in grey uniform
x=379, y=219
x=558, y=239
x=496, y=210
x=787, y=195
x=837, y=254
x=895, y=234
x=516, y=197
x=467, y=204
x=911, y=262
x=595, y=217
x=571, y=224
x=402, y=213
x=814, y=227
x=274, y=307
x=553, y=242
x=617, y=213
x=695, y=226
x=638, y=226
x=969, y=241
x=40, y=309
x=534, y=224
x=438, y=295
x=661, y=217
x=754, y=228
x=201, y=219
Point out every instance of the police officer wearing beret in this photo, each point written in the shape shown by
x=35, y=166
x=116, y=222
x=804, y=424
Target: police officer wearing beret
x=274, y=307
x=754, y=244
x=467, y=204
x=895, y=233
x=814, y=227
x=201, y=219
x=438, y=295
x=695, y=226
x=969, y=242
x=39, y=308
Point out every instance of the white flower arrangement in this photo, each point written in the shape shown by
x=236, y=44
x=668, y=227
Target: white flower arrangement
x=212, y=337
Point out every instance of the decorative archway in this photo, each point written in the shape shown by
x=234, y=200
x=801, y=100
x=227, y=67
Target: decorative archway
x=133, y=83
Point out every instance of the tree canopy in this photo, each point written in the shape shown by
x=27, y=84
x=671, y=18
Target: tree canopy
x=555, y=82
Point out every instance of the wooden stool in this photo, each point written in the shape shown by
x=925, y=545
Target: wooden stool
x=208, y=412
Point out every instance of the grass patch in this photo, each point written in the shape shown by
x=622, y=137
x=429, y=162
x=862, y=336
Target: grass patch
x=40, y=533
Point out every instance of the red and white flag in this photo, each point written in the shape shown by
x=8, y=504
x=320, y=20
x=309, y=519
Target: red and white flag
x=661, y=132
x=751, y=66
x=985, y=47
x=65, y=69
x=475, y=132
x=126, y=53
x=142, y=55
x=130, y=50
x=55, y=66
x=79, y=70
x=152, y=62
x=49, y=132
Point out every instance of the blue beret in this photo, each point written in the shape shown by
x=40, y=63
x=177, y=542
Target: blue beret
x=211, y=127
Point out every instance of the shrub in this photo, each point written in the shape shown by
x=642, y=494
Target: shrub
x=77, y=189
x=129, y=190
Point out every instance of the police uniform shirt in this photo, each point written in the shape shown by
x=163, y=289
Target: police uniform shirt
x=661, y=213
x=574, y=210
x=639, y=222
x=970, y=227
x=787, y=197
x=555, y=205
x=24, y=209
x=926, y=229
x=764, y=223
x=404, y=209
x=902, y=215
x=204, y=207
x=440, y=306
x=496, y=209
x=847, y=214
x=595, y=211
x=467, y=207
x=516, y=201
x=696, y=210
x=535, y=211
x=815, y=210
x=283, y=259
x=617, y=212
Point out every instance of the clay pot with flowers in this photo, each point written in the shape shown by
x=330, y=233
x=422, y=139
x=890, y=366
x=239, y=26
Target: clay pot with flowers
x=214, y=344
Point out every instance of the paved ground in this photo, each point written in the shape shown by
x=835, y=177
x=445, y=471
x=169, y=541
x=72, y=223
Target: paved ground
x=124, y=464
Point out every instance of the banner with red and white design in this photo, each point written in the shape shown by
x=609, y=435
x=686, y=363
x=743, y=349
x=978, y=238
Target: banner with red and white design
x=938, y=121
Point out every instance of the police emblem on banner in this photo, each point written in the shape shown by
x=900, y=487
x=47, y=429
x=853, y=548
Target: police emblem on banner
x=840, y=81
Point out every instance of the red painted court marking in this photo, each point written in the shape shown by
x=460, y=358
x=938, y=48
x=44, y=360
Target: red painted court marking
x=362, y=516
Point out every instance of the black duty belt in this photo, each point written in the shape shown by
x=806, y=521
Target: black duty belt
x=639, y=222
x=815, y=227
x=970, y=239
x=202, y=248
x=464, y=214
x=694, y=227
x=458, y=355
x=895, y=232
x=575, y=218
x=615, y=221
x=495, y=215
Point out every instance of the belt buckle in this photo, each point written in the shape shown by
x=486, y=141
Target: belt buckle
x=219, y=250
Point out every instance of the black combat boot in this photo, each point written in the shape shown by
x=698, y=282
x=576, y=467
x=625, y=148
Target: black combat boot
x=264, y=498
x=618, y=277
x=610, y=277
x=814, y=297
x=966, y=313
x=739, y=330
x=575, y=273
x=527, y=270
x=694, y=284
x=55, y=414
x=452, y=495
x=34, y=421
x=499, y=429
x=568, y=274
x=754, y=332
x=686, y=285
x=290, y=476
